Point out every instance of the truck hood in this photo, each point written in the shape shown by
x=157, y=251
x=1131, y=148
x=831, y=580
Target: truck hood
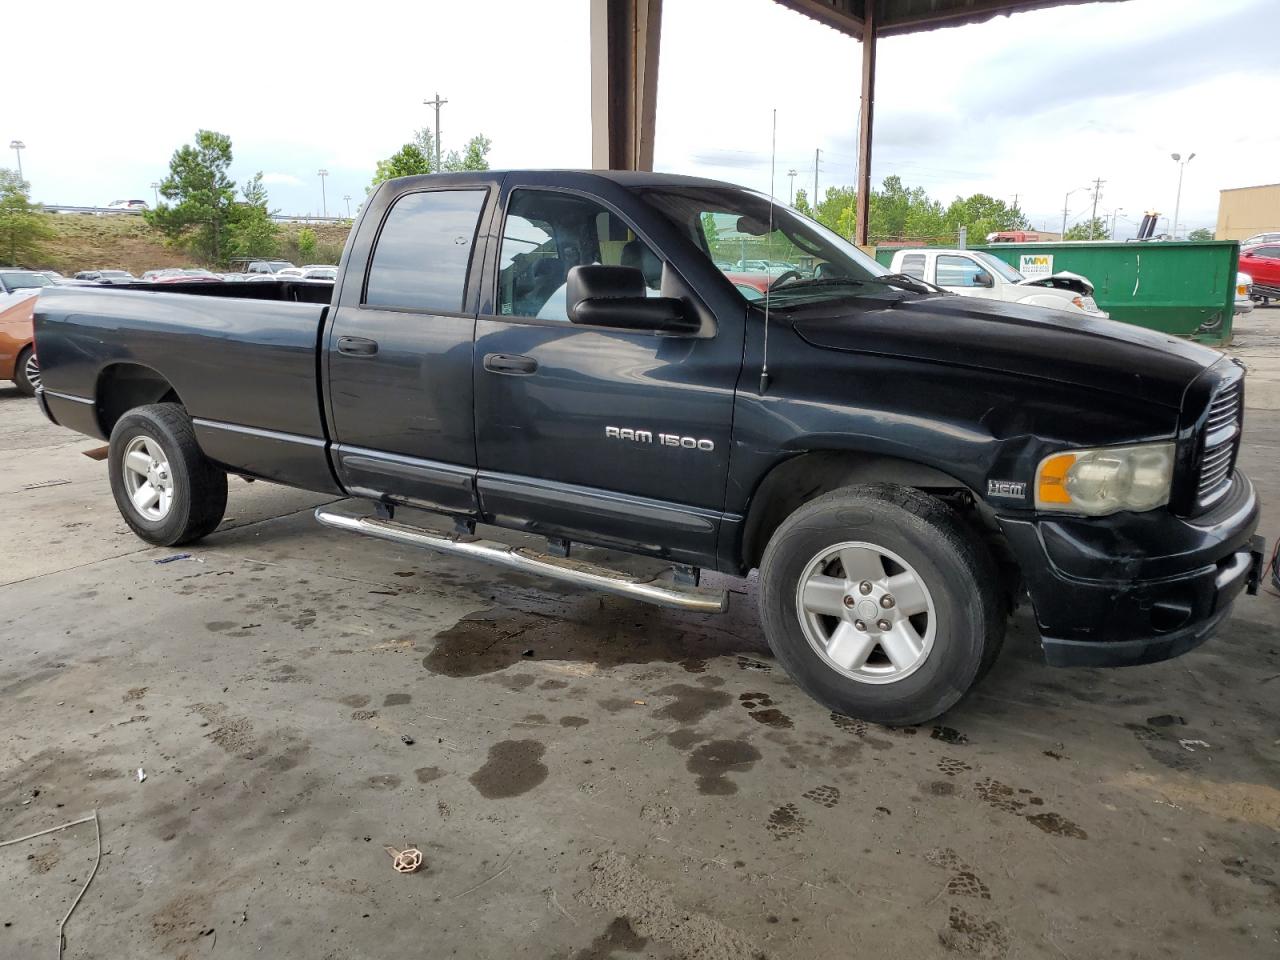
x=1062, y=280
x=1068, y=348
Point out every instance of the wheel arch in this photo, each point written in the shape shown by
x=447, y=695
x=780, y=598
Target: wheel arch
x=798, y=479
x=125, y=385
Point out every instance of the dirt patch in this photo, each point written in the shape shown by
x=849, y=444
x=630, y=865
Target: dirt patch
x=620, y=888
x=514, y=767
x=1251, y=802
x=428, y=774
x=618, y=935
x=232, y=734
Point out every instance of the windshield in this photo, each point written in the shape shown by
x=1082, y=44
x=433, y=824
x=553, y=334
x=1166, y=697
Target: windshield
x=999, y=266
x=23, y=280
x=799, y=261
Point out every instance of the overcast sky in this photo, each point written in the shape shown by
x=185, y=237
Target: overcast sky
x=1033, y=105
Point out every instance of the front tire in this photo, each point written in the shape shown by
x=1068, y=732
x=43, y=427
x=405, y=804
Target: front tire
x=168, y=492
x=26, y=373
x=880, y=604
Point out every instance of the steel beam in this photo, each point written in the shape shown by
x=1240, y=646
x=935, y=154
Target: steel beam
x=625, y=38
x=862, y=214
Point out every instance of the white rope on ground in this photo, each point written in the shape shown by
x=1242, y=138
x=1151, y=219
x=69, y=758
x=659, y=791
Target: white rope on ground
x=97, y=831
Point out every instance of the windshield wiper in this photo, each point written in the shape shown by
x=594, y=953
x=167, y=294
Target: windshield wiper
x=817, y=282
x=908, y=282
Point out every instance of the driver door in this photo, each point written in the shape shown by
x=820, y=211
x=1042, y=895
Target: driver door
x=598, y=434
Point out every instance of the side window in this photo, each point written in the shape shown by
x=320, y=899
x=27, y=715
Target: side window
x=423, y=251
x=958, y=272
x=545, y=234
x=913, y=265
x=1272, y=252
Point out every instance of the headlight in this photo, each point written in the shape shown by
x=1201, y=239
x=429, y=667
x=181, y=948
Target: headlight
x=1098, y=482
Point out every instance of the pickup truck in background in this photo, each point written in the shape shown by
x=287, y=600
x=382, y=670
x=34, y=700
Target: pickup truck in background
x=976, y=273
x=559, y=353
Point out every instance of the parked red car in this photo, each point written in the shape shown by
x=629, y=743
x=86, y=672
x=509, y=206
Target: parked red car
x=1263, y=264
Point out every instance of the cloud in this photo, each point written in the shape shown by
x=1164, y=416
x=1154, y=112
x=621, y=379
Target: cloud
x=281, y=179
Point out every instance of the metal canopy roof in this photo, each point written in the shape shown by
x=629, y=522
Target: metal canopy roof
x=895, y=17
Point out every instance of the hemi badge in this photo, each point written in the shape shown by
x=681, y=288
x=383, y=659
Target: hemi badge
x=1006, y=488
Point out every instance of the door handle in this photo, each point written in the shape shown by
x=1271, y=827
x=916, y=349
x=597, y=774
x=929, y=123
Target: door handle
x=357, y=346
x=512, y=364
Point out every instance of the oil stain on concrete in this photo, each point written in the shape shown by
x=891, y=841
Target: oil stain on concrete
x=514, y=767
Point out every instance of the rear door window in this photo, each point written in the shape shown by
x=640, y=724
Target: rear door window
x=423, y=252
x=913, y=265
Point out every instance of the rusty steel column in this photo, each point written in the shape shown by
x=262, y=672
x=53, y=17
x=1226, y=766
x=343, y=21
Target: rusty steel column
x=625, y=36
x=862, y=214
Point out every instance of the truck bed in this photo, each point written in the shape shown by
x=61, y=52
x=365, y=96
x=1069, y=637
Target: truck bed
x=242, y=359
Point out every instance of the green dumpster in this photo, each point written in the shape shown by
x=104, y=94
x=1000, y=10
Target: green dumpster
x=1183, y=288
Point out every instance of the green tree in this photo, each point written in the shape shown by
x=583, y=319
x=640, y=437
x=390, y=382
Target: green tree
x=474, y=157
x=418, y=156
x=307, y=244
x=251, y=233
x=1200, y=233
x=408, y=161
x=23, y=224
x=981, y=215
x=201, y=197
x=1096, y=228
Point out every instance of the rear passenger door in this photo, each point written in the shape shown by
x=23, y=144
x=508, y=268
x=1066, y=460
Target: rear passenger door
x=399, y=352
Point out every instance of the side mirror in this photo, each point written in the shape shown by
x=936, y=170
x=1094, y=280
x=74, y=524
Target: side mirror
x=983, y=279
x=616, y=297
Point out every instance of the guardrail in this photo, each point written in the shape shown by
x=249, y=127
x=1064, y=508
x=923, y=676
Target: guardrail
x=113, y=211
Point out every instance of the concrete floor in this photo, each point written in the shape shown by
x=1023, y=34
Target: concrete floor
x=588, y=777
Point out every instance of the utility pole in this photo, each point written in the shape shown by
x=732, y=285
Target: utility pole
x=1177, y=206
x=1097, y=192
x=17, y=146
x=792, y=174
x=324, y=206
x=155, y=191
x=347, y=197
x=814, y=205
x=437, y=103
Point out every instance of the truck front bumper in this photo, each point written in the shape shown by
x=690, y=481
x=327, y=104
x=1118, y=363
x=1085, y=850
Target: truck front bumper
x=1136, y=588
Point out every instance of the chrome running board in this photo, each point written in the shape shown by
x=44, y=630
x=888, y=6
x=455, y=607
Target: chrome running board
x=649, y=589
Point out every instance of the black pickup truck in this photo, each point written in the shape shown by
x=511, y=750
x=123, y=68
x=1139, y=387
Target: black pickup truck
x=571, y=354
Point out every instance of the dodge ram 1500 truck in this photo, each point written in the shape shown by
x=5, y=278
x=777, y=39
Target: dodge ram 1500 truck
x=558, y=353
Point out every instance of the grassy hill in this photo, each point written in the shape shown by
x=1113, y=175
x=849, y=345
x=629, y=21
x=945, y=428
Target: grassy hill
x=125, y=242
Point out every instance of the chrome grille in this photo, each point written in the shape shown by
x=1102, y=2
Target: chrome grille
x=1221, y=440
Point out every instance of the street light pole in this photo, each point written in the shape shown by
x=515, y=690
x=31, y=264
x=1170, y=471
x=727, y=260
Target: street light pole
x=347, y=197
x=324, y=205
x=437, y=103
x=1177, y=206
x=792, y=175
x=1064, y=207
x=17, y=146
x=1115, y=214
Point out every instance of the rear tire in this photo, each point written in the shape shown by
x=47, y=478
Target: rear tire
x=26, y=373
x=880, y=604
x=168, y=492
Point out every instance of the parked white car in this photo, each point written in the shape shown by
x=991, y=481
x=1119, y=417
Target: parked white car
x=1244, y=294
x=976, y=273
